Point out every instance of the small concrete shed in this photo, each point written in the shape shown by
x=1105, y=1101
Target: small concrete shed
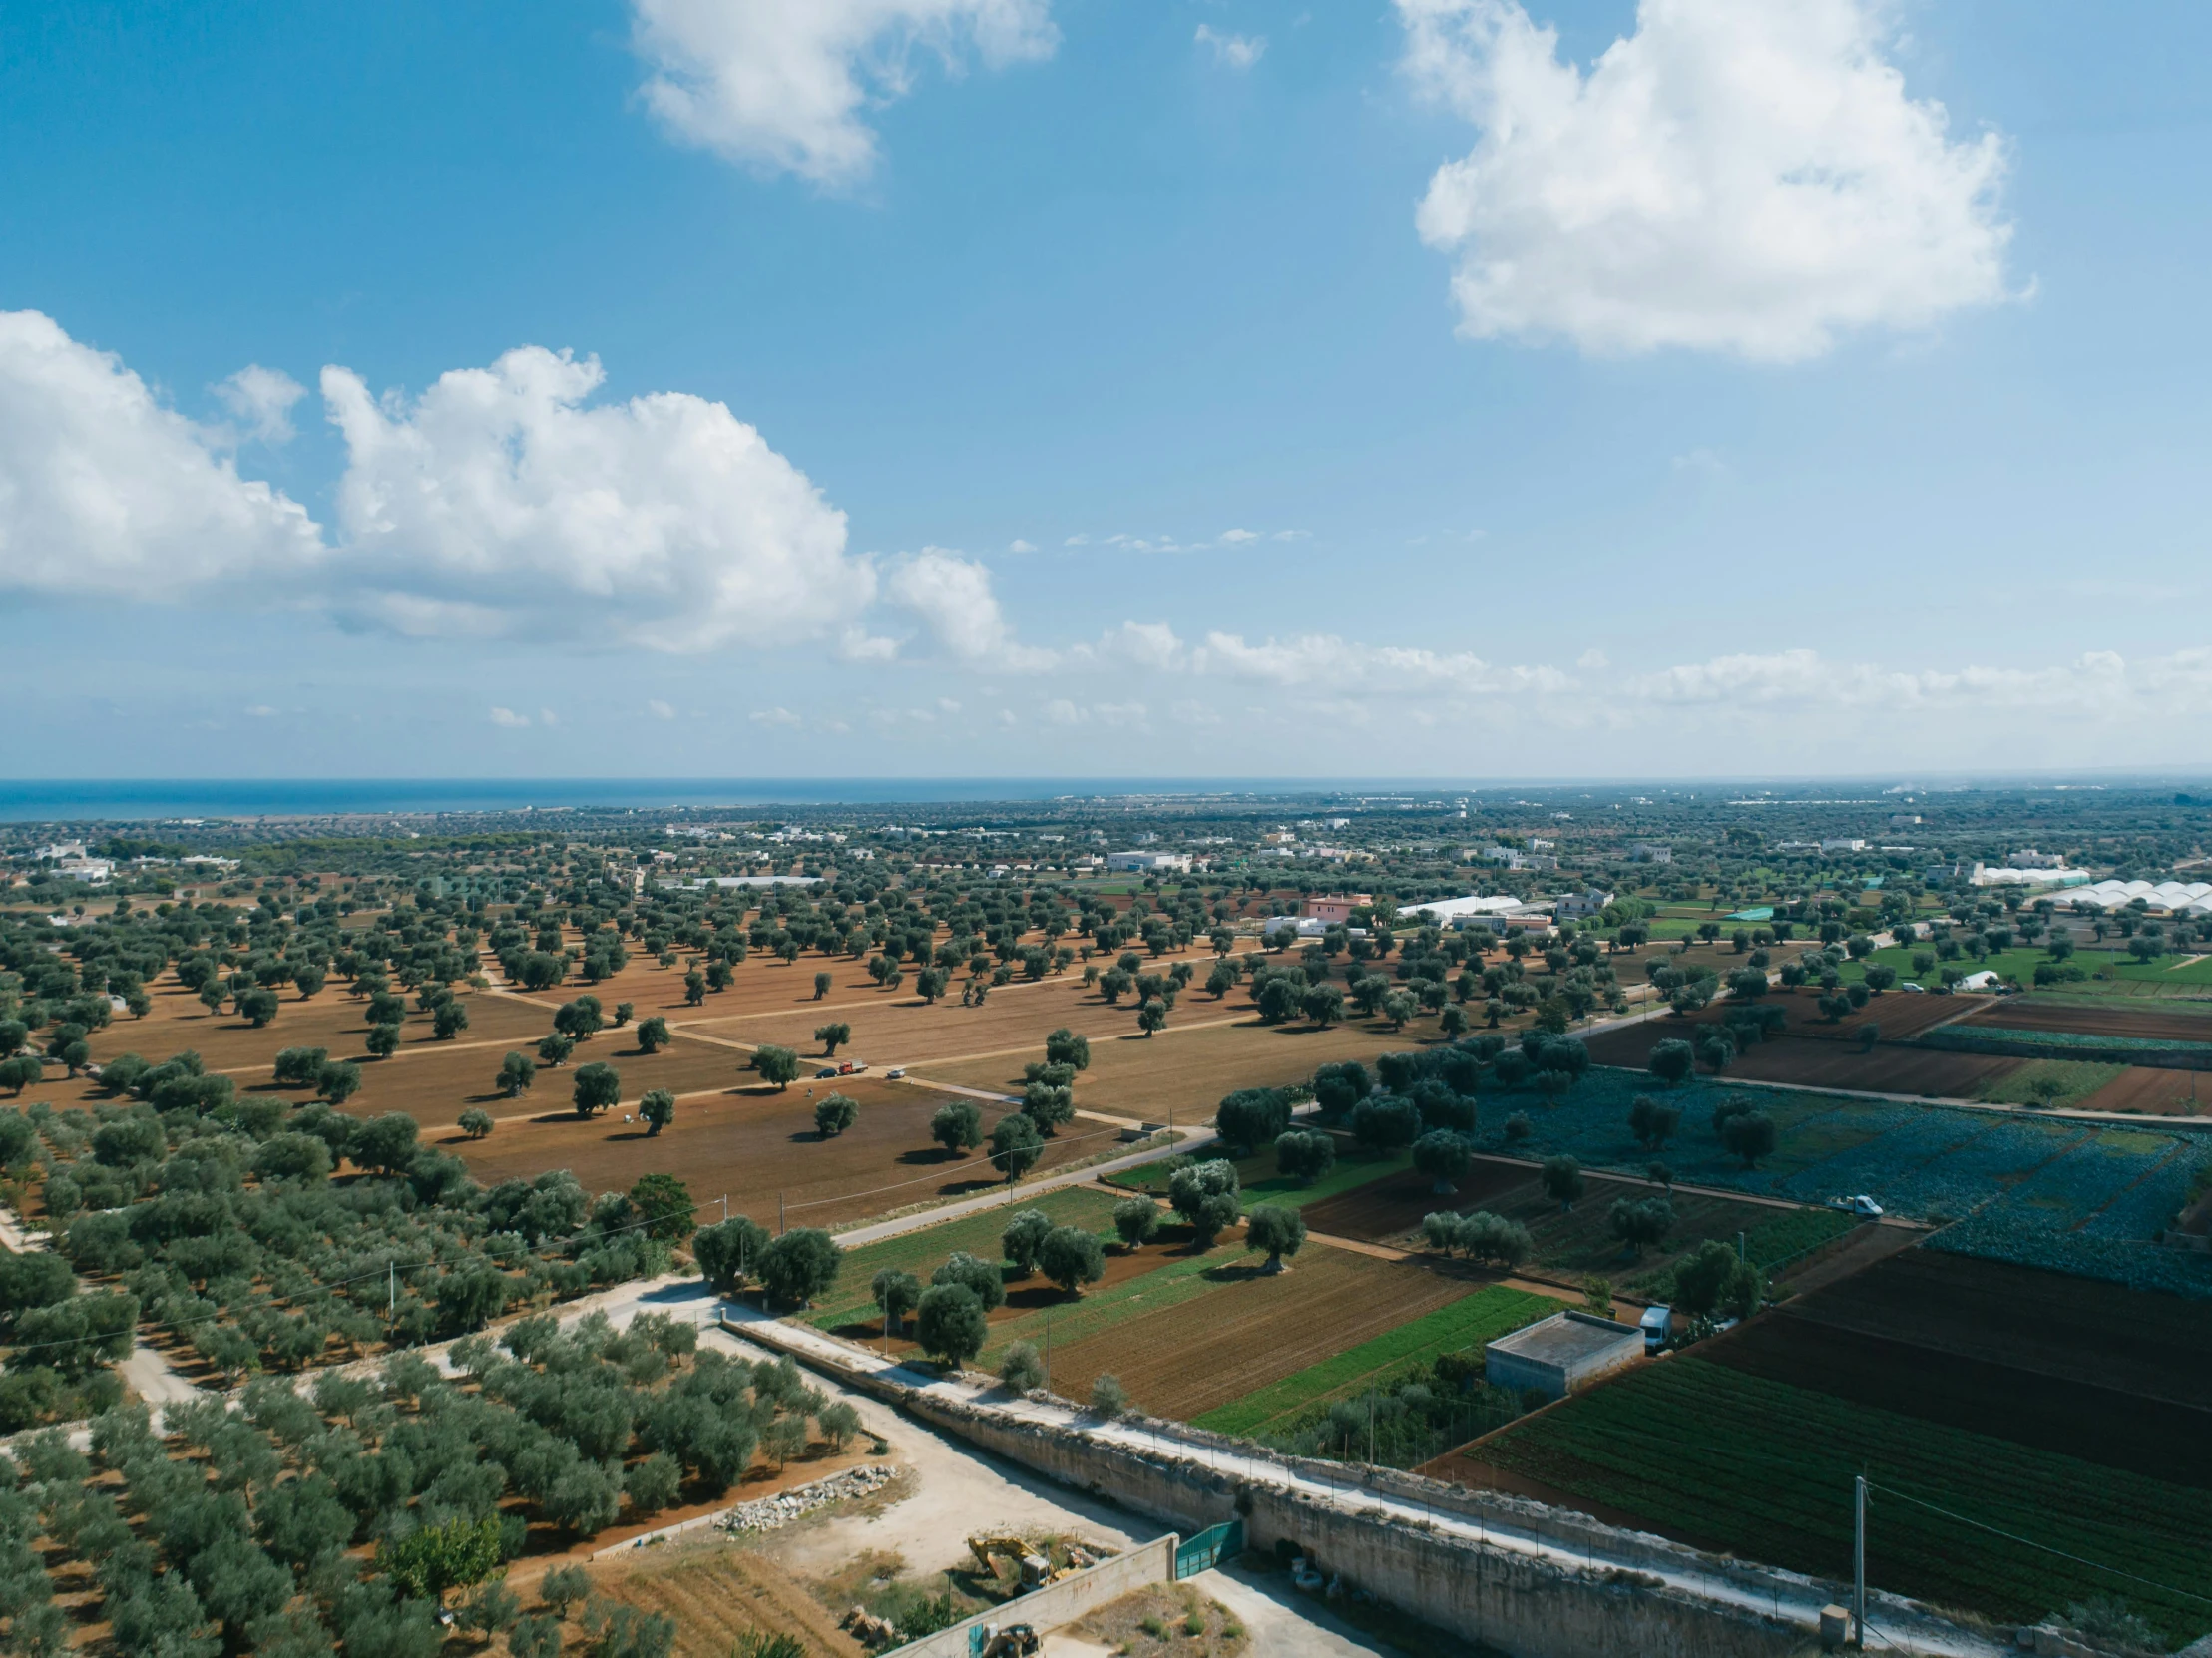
x=1555, y=1356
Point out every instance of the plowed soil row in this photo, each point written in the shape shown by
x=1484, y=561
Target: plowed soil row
x=2028, y=1013
x=759, y=1147
x=717, y=1594
x=2173, y=1093
x=2098, y=1423
x=1818, y=1062
x=2049, y=1324
x=1185, y=1360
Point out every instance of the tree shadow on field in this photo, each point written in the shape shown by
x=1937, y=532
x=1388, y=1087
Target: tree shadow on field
x=927, y=1154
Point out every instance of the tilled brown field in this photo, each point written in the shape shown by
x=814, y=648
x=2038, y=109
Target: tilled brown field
x=716, y=1594
x=1899, y=1015
x=2147, y=1344
x=2030, y=1013
x=901, y=1030
x=1390, y=1207
x=754, y=1147
x=1192, y=1064
x=2077, y=1417
x=1184, y=1361
x=2170, y=1093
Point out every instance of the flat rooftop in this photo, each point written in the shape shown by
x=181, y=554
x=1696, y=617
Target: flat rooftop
x=1563, y=1337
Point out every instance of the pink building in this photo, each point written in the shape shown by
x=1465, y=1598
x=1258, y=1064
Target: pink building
x=1336, y=911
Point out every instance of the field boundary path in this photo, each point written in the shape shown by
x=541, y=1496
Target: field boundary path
x=1564, y=1541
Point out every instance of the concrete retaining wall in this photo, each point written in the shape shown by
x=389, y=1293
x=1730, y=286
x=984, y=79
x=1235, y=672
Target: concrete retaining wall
x=1527, y=1607
x=1060, y=1603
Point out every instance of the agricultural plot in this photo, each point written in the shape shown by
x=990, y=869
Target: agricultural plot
x=1188, y=1067
x=899, y=1028
x=762, y=1148
x=2067, y=1195
x=2149, y=1091
x=1251, y=1329
x=1261, y=1182
x=2163, y=1025
x=1469, y=1322
x=1722, y=1459
x=1578, y=1242
x=849, y=1300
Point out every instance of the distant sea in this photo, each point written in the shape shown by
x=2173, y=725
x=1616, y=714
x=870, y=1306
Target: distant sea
x=77, y=801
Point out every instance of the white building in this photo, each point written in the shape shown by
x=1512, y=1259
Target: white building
x=1579, y=904
x=1148, y=863
x=1650, y=852
x=1843, y=843
x=59, y=850
x=94, y=870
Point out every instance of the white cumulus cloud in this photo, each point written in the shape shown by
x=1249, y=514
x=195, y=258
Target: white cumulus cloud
x=498, y=500
x=103, y=490
x=262, y=398
x=509, y=719
x=785, y=85
x=659, y=709
x=953, y=597
x=1232, y=51
x=1736, y=175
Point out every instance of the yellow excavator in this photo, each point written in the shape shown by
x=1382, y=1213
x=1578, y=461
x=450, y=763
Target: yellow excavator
x=1035, y=1569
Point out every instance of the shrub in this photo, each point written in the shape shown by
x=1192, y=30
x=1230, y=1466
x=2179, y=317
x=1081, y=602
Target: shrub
x=475, y=1122
x=1020, y=1369
x=1108, y=1398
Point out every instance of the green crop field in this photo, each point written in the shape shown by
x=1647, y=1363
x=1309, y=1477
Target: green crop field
x=2078, y=1079
x=921, y=1252
x=1733, y=1462
x=1470, y=1321
x=1100, y=1309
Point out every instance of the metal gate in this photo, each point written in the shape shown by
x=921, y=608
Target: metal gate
x=1199, y=1554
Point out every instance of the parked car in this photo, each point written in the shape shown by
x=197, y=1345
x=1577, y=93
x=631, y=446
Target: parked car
x=825, y=1072
x=1860, y=1205
x=895, y=1073
x=1916, y=990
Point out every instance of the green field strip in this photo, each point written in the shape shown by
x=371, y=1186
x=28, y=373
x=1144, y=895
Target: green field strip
x=1100, y=1310
x=1765, y=1469
x=1261, y=1185
x=922, y=1251
x=1470, y=1321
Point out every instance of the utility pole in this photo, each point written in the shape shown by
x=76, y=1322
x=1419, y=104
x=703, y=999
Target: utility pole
x=1859, y=1565
x=779, y=1214
x=391, y=1301
x=1048, y=1350
x=725, y=1208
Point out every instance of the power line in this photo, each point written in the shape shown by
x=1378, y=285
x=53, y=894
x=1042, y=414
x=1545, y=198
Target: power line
x=2030, y=1543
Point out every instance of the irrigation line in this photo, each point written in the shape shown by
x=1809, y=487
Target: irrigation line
x=2079, y=1561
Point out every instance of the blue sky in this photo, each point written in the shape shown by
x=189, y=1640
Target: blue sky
x=1675, y=394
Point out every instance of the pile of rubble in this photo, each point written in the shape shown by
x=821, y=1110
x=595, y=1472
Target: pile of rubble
x=785, y=1506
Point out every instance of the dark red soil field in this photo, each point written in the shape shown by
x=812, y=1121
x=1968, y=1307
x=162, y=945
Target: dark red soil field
x=1814, y=1061
x=2029, y=1013
x=1394, y=1205
x=1884, y=1070
x=2147, y=1345
x=2171, y=1093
